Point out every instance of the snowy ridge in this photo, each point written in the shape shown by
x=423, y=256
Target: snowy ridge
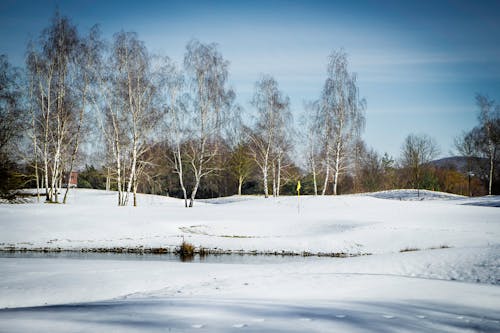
x=415, y=195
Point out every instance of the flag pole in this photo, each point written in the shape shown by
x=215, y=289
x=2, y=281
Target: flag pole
x=298, y=197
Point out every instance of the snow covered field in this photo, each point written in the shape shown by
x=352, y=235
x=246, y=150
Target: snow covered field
x=449, y=283
x=356, y=224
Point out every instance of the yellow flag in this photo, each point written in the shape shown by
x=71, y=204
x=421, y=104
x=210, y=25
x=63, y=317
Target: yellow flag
x=298, y=186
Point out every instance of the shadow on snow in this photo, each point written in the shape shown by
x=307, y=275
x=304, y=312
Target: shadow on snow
x=186, y=315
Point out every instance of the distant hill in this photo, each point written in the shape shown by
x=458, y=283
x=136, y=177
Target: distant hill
x=455, y=162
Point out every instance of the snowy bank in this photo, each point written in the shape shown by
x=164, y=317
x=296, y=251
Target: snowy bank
x=352, y=224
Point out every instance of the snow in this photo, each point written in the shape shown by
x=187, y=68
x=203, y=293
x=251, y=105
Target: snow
x=349, y=224
x=451, y=283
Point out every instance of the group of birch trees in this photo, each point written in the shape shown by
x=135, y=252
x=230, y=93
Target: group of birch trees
x=334, y=124
x=57, y=83
x=270, y=138
x=126, y=99
x=136, y=106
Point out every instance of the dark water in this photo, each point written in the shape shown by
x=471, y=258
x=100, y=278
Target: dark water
x=169, y=257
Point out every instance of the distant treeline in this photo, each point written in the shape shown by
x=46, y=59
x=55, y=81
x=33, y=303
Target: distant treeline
x=447, y=176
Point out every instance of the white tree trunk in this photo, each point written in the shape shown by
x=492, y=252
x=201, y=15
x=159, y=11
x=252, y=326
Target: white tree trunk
x=274, y=179
x=240, y=184
x=196, y=185
x=313, y=165
x=75, y=150
x=264, y=178
x=48, y=196
x=338, y=156
x=327, y=172
x=180, y=173
x=278, y=185
x=492, y=167
x=108, y=179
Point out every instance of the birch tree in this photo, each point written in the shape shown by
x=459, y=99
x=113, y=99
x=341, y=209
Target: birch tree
x=51, y=67
x=207, y=73
x=33, y=131
x=110, y=116
x=283, y=146
x=489, y=124
x=125, y=96
x=88, y=53
x=267, y=138
x=313, y=141
x=175, y=120
x=135, y=83
x=341, y=117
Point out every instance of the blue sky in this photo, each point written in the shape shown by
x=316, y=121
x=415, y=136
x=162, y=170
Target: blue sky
x=419, y=63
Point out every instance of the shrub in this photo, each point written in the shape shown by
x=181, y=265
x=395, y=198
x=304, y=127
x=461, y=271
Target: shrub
x=409, y=249
x=186, y=249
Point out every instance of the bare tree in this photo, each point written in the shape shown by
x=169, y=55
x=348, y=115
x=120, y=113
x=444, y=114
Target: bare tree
x=341, y=116
x=10, y=111
x=12, y=123
x=313, y=141
x=280, y=161
x=489, y=124
x=33, y=130
x=87, y=55
x=240, y=163
x=110, y=117
x=176, y=126
x=390, y=179
x=207, y=72
x=417, y=151
x=465, y=146
x=273, y=115
x=370, y=174
x=52, y=70
x=124, y=94
x=137, y=86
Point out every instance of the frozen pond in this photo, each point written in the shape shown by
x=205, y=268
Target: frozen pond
x=171, y=257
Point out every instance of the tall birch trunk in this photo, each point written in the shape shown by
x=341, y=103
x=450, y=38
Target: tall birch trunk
x=240, y=184
x=278, y=185
x=35, y=144
x=274, y=179
x=264, y=176
x=337, y=167
x=315, y=183
x=48, y=195
x=327, y=172
x=108, y=179
x=180, y=173
x=492, y=167
x=75, y=149
x=198, y=173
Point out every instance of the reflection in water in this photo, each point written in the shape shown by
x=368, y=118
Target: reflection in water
x=187, y=257
x=169, y=257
